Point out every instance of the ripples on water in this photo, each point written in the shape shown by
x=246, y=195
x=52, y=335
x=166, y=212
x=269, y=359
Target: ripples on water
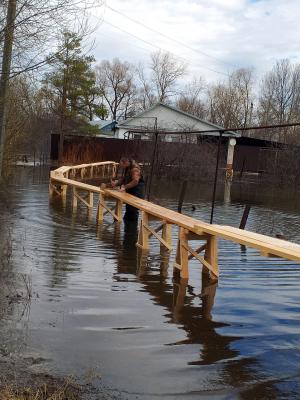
x=101, y=304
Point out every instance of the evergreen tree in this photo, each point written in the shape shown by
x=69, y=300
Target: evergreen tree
x=70, y=88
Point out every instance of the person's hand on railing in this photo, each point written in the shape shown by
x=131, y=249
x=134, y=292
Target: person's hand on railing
x=114, y=183
x=122, y=188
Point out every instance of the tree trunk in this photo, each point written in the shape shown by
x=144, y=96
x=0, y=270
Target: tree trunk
x=6, y=64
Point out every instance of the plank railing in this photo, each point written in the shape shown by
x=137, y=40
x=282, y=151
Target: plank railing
x=64, y=177
x=84, y=171
x=190, y=229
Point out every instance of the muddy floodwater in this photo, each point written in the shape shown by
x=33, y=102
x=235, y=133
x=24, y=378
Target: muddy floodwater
x=100, y=308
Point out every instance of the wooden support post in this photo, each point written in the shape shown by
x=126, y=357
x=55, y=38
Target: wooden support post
x=176, y=265
x=164, y=261
x=101, y=213
x=63, y=190
x=182, y=259
x=152, y=232
x=118, y=210
x=91, y=199
x=166, y=236
x=211, y=256
x=74, y=198
x=143, y=237
x=55, y=189
x=88, y=203
x=51, y=191
x=100, y=208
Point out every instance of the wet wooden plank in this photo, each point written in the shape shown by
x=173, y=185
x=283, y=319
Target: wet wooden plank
x=78, y=185
x=165, y=214
x=265, y=244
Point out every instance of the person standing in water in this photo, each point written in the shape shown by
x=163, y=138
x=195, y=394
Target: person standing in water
x=131, y=182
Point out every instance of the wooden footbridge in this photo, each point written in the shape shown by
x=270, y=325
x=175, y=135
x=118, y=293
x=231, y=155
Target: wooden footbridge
x=189, y=228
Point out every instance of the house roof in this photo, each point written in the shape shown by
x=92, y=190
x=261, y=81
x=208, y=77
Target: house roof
x=101, y=123
x=126, y=123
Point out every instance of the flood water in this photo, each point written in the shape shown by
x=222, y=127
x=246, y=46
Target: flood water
x=98, y=304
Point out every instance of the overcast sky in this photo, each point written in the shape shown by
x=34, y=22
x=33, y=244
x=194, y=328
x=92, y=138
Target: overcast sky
x=213, y=36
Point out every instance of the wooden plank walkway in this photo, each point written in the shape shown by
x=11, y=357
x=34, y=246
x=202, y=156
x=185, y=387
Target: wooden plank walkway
x=267, y=245
x=189, y=228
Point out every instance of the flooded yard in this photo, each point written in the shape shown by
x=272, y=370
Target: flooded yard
x=102, y=311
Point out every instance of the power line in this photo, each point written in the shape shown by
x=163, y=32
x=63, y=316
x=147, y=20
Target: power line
x=169, y=37
x=217, y=130
x=160, y=48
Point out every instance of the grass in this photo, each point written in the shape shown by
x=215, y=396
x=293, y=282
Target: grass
x=48, y=390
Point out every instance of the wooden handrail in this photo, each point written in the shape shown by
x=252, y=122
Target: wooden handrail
x=76, y=184
x=189, y=228
x=266, y=244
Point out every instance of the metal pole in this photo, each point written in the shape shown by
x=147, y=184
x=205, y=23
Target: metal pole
x=216, y=178
x=181, y=196
x=152, y=166
x=245, y=217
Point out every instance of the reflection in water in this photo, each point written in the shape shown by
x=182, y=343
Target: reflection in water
x=178, y=299
x=120, y=308
x=227, y=191
x=15, y=299
x=181, y=301
x=130, y=235
x=63, y=258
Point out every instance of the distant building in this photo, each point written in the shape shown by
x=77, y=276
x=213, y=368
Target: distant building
x=166, y=118
x=108, y=128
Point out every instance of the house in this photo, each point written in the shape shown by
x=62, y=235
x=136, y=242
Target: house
x=178, y=127
x=167, y=118
x=107, y=128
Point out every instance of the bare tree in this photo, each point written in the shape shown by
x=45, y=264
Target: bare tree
x=28, y=121
x=279, y=101
x=115, y=81
x=166, y=70
x=38, y=24
x=230, y=104
x=146, y=91
x=190, y=99
x=242, y=82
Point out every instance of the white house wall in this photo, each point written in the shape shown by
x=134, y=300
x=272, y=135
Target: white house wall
x=166, y=119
